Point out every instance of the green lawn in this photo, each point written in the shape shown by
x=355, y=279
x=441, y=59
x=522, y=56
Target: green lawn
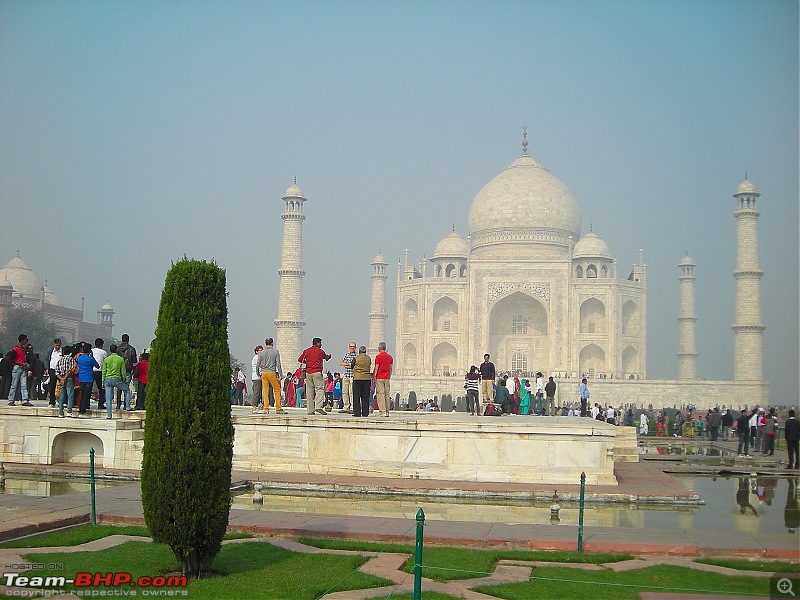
x=259, y=570
x=252, y=570
x=742, y=564
x=88, y=533
x=559, y=583
x=463, y=563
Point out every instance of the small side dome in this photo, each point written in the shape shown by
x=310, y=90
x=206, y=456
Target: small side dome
x=379, y=260
x=6, y=285
x=687, y=261
x=294, y=191
x=452, y=246
x=591, y=246
x=746, y=187
x=50, y=297
x=106, y=307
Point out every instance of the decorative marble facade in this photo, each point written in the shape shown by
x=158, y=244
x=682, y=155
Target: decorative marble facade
x=524, y=287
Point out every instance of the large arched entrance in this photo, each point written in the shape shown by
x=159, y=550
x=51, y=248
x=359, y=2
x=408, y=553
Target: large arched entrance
x=518, y=327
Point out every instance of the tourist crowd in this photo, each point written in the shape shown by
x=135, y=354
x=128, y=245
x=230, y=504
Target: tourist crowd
x=74, y=376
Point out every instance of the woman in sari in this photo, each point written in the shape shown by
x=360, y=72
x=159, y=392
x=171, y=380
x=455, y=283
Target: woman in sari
x=524, y=397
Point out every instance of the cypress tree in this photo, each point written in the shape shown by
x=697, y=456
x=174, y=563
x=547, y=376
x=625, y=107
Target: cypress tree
x=188, y=441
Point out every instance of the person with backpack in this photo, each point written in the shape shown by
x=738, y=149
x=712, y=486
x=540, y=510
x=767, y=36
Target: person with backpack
x=129, y=357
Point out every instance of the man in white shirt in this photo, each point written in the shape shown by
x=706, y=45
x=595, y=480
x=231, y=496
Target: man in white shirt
x=99, y=355
x=53, y=356
x=610, y=415
x=255, y=378
x=538, y=399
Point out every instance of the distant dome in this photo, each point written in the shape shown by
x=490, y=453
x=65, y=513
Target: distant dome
x=591, y=246
x=379, y=259
x=25, y=282
x=524, y=204
x=687, y=261
x=746, y=187
x=50, y=297
x=452, y=246
x=106, y=307
x=294, y=191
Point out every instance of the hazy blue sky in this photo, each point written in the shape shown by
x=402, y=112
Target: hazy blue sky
x=132, y=133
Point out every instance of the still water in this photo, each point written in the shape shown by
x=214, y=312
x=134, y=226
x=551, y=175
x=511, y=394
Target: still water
x=746, y=504
x=47, y=487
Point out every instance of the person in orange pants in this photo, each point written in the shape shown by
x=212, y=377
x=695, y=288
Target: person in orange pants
x=269, y=363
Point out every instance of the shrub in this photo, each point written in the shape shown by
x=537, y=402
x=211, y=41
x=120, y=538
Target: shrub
x=188, y=442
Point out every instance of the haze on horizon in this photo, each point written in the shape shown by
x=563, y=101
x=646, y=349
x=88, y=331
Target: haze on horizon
x=134, y=133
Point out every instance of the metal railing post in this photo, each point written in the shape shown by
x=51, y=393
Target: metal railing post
x=418, y=556
x=580, y=513
x=91, y=483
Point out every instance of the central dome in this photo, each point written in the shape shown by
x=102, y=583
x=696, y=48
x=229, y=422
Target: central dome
x=524, y=203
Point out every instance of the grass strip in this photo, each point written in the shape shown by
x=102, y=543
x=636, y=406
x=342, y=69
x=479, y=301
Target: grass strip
x=254, y=570
x=88, y=533
x=558, y=583
x=463, y=563
x=742, y=564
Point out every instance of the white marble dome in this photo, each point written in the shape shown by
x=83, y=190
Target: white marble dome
x=746, y=187
x=293, y=191
x=50, y=297
x=591, y=246
x=452, y=246
x=25, y=281
x=687, y=261
x=524, y=196
x=379, y=260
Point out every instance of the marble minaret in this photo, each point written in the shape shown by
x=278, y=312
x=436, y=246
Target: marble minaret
x=747, y=328
x=289, y=324
x=687, y=337
x=377, y=311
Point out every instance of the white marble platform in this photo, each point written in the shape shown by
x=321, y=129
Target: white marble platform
x=445, y=446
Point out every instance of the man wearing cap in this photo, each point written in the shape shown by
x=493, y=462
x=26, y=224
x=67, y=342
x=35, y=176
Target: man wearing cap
x=347, y=378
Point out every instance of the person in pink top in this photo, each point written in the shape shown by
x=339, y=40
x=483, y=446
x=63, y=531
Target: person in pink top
x=382, y=373
x=313, y=358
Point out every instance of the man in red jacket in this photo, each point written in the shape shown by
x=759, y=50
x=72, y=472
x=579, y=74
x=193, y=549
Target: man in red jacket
x=315, y=388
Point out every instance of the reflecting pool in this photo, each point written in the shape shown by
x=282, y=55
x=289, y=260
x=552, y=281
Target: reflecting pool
x=746, y=504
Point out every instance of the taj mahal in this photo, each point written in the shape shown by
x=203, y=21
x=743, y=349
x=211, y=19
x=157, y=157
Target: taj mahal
x=526, y=287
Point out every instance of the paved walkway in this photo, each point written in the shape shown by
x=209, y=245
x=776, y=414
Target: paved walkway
x=388, y=566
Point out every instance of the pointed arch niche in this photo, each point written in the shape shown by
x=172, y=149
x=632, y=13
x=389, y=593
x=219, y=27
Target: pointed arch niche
x=410, y=316
x=445, y=314
x=593, y=316
x=444, y=360
x=508, y=338
x=630, y=362
x=592, y=360
x=410, y=359
x=630, y=318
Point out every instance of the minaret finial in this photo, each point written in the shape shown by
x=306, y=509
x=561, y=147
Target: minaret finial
x=524, y=139
x=454, y=227
x=17, y=251
x=591, y=227
x=745, y=175
x=295, y=179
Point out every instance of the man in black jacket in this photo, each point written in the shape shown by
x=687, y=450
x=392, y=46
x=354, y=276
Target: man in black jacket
x=791, y=431
x=743, y=432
